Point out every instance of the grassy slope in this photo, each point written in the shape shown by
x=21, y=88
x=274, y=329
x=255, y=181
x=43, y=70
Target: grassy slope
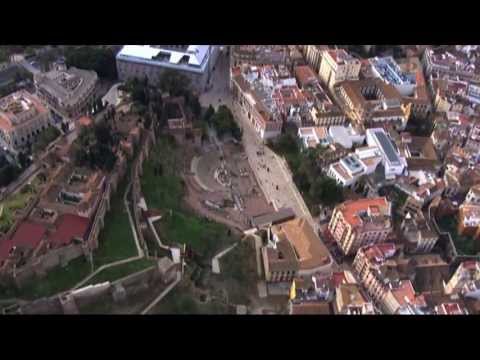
x=165, y=192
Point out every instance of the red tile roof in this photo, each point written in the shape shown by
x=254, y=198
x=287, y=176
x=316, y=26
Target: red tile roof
x=69, y=227
x=304, y=75
x=28, y=235
x=85, y=121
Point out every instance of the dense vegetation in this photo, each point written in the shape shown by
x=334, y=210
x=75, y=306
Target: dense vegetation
x=94, y=147
x=101, y=60
x=223, y=122
x=316, y=187
x=46, y=137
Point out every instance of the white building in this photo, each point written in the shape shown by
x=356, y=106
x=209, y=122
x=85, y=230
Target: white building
x=345, y=136
x=394, y=164
x=313, y=136
x=348, y=170
x=194, y=61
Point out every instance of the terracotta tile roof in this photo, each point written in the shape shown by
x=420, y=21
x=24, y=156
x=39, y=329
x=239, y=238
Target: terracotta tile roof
x=351, y=295
x=28, y=235
x=69, y=226
x=352, y=209
x=405, y=294
x=85, y=121
x=450, y=309
x=304, y=75
x=309, y=250
x=311, y=308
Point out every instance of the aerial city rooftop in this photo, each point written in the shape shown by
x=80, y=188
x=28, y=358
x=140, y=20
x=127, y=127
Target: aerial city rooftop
x=243, y=179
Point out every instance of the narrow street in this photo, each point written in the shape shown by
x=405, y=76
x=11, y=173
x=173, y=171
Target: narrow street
x=272, y=176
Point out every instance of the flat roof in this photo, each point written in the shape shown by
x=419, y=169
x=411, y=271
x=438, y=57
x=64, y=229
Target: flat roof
x=193, y=58
x=386, y=145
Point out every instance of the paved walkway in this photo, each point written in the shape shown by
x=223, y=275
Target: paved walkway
x=162, y=294
x=258, y=250
x=216, y=258
x=106, y=266
x=130, y=219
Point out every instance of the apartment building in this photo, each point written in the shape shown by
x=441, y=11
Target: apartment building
x=150, y=61
x=349, y=300
x=22, y=118
x=386, y=275
x=372, y=102
x=473, y=195
x=337, y=66
x=356, y=223
x=467, y=272
x=450, y=308
x=313, y=55
x=418, y=232
x=268, y=95
x=450, y=63
x=419, y=152
x=469, y=220
x=294, y=250
x=69, y=93
x=258, y=55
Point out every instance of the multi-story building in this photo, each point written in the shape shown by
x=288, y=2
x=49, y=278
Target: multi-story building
x=313, y=55
x=269, y=96
x=388, y=70
x=420, y=187
x=419, y=152
x=467, y=272
x=322, y=110
x=473, y=195
x=451, y=308
x=386, y=275
x=294, y=250
x=69, y=93
x=361, y=222
x=194, y=61
x=337, y=66
x=469, y=220
x=351, y=168
x=313, y=136
x=258, y=55
x=349, y=300
x=420, y=98
x=22, y=118
x=419, y=233
x=372, y=102
x=450, y=64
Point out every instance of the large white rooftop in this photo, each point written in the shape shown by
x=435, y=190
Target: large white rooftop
x=194, y=56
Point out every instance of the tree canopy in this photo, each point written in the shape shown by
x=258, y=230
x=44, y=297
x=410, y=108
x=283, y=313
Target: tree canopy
x=102, y=60
x=45, y=138
x=173, y=82
x=94, y=147
x=223, y=121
